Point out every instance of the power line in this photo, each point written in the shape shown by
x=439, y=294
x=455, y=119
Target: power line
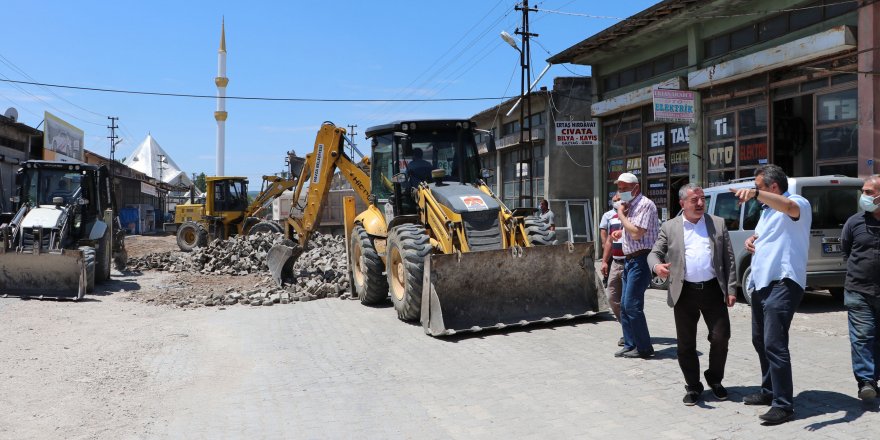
x=14, y=67
x=245, y=98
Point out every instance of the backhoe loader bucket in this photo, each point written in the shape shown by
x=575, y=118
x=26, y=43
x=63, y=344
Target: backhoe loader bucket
x=495, y=289
x=43, y=275
x=280, y=260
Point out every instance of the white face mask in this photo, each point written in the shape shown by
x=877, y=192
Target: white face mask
x=866, y=202
x=625, y=196
x=617, y=205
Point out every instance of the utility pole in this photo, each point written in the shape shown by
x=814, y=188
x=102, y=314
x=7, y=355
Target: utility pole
x=112, y=138
x=351, y=147
x=161, y=166
x=526, y=152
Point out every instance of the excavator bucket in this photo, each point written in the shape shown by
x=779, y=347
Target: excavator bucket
x=280, y=260
x=43, y=275
x=476, y=291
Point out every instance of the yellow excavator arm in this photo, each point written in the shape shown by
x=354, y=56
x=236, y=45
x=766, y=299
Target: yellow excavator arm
x=316, y=177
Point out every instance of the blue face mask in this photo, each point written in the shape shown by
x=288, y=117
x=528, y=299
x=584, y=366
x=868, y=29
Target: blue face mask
x=625, y=196
x=866, y=202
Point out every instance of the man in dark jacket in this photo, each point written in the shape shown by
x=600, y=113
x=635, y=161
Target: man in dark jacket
x=860, y=242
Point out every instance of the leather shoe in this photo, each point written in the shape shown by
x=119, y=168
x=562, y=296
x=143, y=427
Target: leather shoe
x=693, y=395
x=758, y=399
x=620, y=342
x=776, y=416
x=867, y=391
x=623, y=351
x=638, y=354
x=719, y=391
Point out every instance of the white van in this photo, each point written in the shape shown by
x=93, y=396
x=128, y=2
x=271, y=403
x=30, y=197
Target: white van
x=833, y=200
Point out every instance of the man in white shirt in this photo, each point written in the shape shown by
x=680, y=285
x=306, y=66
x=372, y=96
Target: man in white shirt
x=547, y=215
x=781, y=244
x=693, y=250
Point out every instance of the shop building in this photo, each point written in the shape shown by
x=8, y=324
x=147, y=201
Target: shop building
x=559, y=173
x=795, y=85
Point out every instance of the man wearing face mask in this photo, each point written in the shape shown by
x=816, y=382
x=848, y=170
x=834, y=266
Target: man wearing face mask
x=860, y=242
x=640, y=225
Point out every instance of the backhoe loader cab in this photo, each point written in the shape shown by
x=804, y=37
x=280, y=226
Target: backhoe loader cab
x=406, y=153
x=64, y=234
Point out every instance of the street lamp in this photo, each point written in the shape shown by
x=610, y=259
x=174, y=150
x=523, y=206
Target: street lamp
x=509, y=40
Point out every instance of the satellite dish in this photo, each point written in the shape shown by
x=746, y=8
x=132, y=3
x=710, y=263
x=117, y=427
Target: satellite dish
x=11, y=113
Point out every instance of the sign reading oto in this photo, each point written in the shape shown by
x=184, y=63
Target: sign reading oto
x=577, y=133
x=674, y=105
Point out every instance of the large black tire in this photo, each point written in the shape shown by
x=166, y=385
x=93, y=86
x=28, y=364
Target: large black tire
x=103, y=258
x=191, y=235
x=369, y=282
x=89, y=261
x=539, y=233
x=408, y=246
x=266, y=227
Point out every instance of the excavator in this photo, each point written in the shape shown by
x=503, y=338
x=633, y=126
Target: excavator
x=226, y=211
x=434, y=237
x=64, y=235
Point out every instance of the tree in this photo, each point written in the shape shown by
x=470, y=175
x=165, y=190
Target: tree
x=201, y=182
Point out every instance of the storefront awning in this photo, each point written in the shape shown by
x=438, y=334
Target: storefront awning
x=634, y=99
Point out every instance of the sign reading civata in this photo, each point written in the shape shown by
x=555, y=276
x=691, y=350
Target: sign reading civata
x=577, y=133
x=674, y=105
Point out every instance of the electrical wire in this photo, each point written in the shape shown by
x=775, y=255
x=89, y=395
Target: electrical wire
x=14, y=67
x=246, y=98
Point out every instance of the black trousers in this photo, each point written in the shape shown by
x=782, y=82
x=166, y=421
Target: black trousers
x=709, y=302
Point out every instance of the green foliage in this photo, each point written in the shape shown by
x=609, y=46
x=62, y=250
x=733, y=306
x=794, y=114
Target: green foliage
x=201, y=182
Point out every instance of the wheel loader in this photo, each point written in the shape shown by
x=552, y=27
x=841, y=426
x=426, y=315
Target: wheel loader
x=64, y=235
x=435, y=238
x=226, y=211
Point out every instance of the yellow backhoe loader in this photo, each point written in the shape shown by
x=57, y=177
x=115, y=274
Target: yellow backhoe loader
x=435, y=237
x=226, y=211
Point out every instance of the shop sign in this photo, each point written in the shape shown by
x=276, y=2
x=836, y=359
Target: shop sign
x=753, y=152
x=678, y=162
x=148, y=189
x=577, y=133
x=615, y=168
x=657, y=164
x=634, y=165
x=657, y=192
x=673, y=105
x=721, y=156
x=679, y=136
x=657, y=139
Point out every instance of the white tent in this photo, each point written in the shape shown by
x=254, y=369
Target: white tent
x=146, y=159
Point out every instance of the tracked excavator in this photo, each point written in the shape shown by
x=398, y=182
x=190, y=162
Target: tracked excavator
x=64, y=235
x=434, y=237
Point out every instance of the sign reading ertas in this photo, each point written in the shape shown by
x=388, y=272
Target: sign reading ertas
x=577, y=133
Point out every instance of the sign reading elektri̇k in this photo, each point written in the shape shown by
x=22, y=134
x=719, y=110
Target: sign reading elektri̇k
x=673, y=105
x=577, y=133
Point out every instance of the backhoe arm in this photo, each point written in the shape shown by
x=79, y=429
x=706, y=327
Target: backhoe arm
x=317, y=172
x=276, y=186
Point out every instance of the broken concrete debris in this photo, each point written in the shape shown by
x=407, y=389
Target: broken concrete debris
x=320, y=272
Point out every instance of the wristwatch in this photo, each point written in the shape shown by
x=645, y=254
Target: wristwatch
x=756, y=193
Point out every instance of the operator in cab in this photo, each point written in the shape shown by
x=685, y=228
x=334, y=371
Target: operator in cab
x=418, y=170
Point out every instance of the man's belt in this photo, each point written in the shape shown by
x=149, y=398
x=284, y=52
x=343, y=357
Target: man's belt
x=701, y=285
x=638, y=253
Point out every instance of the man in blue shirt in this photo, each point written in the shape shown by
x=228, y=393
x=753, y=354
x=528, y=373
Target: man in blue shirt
x=779, y=275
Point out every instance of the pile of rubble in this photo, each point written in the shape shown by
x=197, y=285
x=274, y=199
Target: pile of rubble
x=320, y=272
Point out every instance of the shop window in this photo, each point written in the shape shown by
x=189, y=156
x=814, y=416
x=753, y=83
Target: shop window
x=844, y=169
x=678, y=162
x=805, y=17
x=727, y=207
x=627, y=77
x=837, y=107
x=753, y=121
x=836, y=8
x=721, y=127
x=843, y=78
x=722, y=155
x=837, y=142
x=611, y=82
x=743, y=37
x=664, y=64
x=720, y=177
x=680, y=59
x=615, y=169
x=634, y=165
x=814, y=85
x=634, y=143
x=753, y=151
x=773, y=28
x=717, y=46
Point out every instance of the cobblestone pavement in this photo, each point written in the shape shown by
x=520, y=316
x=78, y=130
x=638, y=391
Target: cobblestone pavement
x=337, y=369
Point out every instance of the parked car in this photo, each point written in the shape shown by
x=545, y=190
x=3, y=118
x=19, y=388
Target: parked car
x=833, y=200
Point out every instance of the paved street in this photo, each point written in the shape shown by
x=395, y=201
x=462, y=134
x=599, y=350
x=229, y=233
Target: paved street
x=336, y=369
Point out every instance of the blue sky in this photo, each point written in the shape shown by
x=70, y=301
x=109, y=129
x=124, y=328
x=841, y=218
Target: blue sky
x=293, y=49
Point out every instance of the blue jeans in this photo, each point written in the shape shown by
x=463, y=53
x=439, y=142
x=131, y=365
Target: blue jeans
x=773, y=309
x=636, y=279
x=863, y=312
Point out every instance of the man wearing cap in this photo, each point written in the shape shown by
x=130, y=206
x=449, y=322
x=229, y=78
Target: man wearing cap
x=640, y=226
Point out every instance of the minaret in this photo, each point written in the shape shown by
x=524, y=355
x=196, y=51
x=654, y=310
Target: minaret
x=220, y=115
